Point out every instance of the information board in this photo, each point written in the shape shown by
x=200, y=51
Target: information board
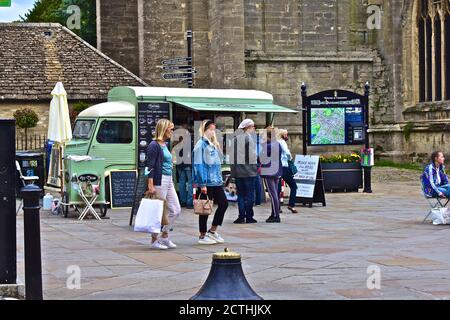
x=122, y=185
x=148, y=114
x=335, y=117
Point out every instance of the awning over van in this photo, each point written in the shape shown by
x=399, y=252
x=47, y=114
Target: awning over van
x=226, y=106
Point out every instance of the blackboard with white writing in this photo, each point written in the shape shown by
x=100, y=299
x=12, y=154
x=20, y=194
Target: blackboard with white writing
x=122, y=185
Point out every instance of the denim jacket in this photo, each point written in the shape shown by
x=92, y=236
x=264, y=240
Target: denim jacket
x=432, y=179
x=207, y=165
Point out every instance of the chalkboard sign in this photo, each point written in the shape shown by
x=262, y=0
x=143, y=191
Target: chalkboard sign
x=148, y=114
x=140, y=187
x=122, y=185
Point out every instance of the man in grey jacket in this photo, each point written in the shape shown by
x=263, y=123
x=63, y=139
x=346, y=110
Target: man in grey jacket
x=244, y=169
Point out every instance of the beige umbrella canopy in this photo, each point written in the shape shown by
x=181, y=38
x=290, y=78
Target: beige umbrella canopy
x=59, y=130
x=59, y=127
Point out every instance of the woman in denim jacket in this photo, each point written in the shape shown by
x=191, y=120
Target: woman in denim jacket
x=434, y=179
x=208, y=177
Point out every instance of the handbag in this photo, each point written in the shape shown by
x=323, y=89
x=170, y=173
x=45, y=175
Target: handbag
x=203, y=207
x=149, y=215
x=292, y=167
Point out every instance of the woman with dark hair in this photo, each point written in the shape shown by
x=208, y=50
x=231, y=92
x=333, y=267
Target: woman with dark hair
x=434, y=179
x=208, y=177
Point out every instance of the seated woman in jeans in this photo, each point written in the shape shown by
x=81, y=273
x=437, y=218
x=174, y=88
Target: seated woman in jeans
x=434, y=179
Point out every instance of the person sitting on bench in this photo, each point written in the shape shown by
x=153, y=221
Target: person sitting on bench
x=434, y=179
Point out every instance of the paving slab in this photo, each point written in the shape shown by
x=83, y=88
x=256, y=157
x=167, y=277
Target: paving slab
x=319, y=253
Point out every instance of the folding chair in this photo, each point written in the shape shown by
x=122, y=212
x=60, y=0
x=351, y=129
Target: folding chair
x=25, y=180
x=434, y=202
x=89, y=194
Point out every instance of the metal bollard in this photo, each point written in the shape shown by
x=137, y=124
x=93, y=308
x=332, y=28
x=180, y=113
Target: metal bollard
x=8, y=261
x=32, y=235
x=226, y=280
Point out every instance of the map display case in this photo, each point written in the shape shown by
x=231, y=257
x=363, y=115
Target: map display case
x=335, y=117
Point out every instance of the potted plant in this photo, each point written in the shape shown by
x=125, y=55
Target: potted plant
x=342, y=172
x=26, y=118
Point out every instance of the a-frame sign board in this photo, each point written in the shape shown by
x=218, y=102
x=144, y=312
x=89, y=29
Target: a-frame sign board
x=309, y=179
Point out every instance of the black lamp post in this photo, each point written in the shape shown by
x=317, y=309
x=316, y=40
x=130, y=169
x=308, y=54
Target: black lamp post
x=367, y=169
x=304, y=119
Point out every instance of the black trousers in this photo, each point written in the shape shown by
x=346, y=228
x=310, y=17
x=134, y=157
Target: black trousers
x=218, y=194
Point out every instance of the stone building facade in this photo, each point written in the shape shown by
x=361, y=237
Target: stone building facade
x=275, y=45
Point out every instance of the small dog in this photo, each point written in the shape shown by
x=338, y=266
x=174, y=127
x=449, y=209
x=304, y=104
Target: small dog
x=230, y=189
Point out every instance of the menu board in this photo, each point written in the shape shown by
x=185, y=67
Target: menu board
x=148, y=114
x=122, y=184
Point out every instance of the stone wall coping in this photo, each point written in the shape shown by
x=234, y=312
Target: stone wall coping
x=302, y=58
x=422, y=107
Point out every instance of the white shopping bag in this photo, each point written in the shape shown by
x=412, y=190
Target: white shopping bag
x=440, y=216
x=149, y=215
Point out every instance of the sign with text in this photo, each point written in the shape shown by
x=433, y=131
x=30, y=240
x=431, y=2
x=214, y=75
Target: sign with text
x=177, y=60
x=175, y=67
x=148, y=114
x=171, y=76
x=306, y=176
x=335, y=117
x=122, y=185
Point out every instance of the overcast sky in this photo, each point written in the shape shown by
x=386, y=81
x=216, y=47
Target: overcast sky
x=18, y=7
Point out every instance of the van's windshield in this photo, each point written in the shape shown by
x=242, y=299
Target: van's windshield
x=83, y=129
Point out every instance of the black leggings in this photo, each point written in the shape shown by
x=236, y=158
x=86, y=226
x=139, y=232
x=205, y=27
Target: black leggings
x=220, y=198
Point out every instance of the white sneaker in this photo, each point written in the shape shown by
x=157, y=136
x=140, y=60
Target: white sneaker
x=166, y=241
x=206, y=240
x=158, y=246
x=215, y=236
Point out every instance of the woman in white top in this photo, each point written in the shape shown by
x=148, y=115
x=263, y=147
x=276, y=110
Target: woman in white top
x=287, y=176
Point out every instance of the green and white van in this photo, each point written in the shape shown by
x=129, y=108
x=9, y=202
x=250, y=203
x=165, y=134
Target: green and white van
x=110, y=130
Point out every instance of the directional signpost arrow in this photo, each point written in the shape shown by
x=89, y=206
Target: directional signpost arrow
x=174, y=67
x=168, y=76
x=177, y=60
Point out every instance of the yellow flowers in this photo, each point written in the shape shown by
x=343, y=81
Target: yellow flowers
x=341, y=158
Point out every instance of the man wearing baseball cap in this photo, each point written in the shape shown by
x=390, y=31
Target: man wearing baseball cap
x=244, y=169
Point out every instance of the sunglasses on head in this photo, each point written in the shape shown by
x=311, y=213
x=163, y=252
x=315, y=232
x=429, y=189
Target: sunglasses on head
x=208, y=124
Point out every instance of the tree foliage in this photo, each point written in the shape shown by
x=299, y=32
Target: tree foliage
x=57, y=11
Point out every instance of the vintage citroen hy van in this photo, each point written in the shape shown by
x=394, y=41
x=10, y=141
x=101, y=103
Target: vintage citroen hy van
x=119, y=130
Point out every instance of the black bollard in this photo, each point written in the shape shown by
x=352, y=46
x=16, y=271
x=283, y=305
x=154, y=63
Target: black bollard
x=8, y=268
x=226, y=280
x=32, y=234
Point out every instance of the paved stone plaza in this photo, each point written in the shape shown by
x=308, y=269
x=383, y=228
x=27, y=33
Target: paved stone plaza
x=319, y=253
